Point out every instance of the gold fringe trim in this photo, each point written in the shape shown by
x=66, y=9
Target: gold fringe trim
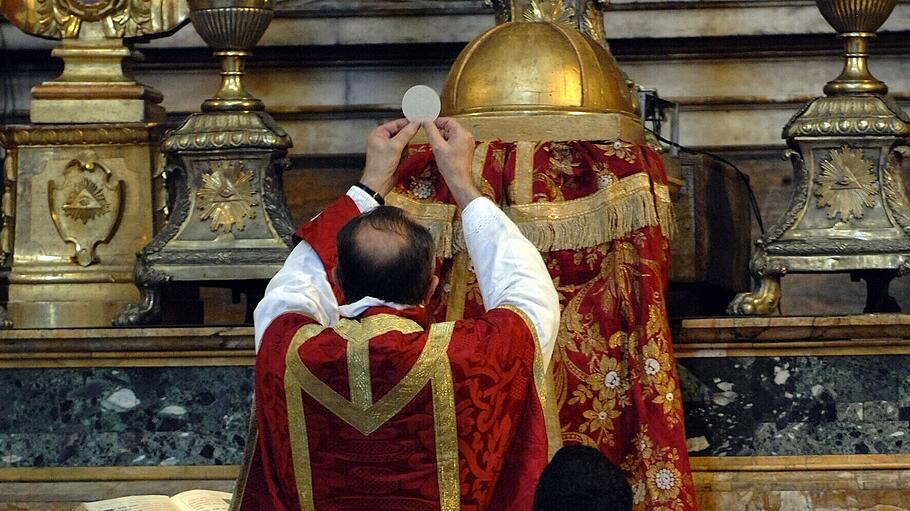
x=665, y=213
x=438, y=218
x=625, y=206
x=610, y=213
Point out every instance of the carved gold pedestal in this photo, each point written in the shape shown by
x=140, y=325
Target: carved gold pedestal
x=78, y=200
x=72, y=221
x=230, y=223
x=849, y=210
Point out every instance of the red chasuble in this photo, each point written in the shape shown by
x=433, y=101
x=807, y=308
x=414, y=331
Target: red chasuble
x=383, y=412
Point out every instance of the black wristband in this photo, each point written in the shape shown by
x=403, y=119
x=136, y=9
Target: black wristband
x=376, y=197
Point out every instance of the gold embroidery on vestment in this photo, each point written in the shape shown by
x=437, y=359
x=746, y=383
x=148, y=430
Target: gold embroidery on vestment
x=445, y=426
x=437, y=217
x=624, y=206
x=458, y=279
x=477, y=166
x=665, y=213
x=300, y=444
x=543, y=384
x=358, y=334
x=432, y=366
x=521, y=190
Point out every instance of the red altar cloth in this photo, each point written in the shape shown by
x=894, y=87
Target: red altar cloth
x=384, y=412
x=601, y=215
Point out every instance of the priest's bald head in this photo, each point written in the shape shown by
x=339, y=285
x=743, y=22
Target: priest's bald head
x=386, y=255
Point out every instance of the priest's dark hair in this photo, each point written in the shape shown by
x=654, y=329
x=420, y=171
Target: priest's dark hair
x=386, y=255
x=581, y=477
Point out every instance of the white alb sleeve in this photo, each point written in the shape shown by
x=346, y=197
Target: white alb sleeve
x=510, y=270
x=301, y=285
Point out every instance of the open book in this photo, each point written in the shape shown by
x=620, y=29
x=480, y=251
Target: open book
x=192, y=500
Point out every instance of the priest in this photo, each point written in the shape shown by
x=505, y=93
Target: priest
x=367, y=405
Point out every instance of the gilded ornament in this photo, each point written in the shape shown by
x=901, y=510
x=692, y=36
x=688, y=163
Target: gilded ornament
x=96, y=85
x=226, y=195
x=846, y=184
x=78, y=135
x=553, y=11
x=559, y=70
x=849, y=116
x=872, y=240
x=893, y=188
x=63, y=19
x=86, y=208
x=8, y=206
x=593, y=22
x=231, y=28
x=856, y=22
x=226, y=130
x=86, y=201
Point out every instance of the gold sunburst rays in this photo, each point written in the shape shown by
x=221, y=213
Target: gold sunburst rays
x=226, y=195
x=86, y=201
x=554, y=11
x=846, y=184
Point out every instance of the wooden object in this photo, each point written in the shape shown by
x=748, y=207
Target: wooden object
x=710, y=253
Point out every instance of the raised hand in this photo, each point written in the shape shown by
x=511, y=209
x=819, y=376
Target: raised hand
x=385, y=147
x=453, y=147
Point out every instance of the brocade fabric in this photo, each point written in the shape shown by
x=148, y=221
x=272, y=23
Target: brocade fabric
x=600, y=213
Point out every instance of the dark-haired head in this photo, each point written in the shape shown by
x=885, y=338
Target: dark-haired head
x=386, y=255
x=581, y=477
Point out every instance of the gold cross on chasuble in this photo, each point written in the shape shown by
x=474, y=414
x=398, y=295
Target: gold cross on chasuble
x=366, y=416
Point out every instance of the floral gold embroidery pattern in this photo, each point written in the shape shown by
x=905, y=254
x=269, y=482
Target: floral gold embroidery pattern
x=599, y=378
x=619, y=149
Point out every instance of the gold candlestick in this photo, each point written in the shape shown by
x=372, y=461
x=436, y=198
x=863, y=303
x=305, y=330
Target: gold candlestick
x=849, y=212
x=230, y=222
x=856, y=22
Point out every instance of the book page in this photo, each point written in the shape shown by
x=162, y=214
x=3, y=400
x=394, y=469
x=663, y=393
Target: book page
x=202, y=500
x=133, y=503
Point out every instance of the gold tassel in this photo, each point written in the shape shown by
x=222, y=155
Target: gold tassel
x=665, y=212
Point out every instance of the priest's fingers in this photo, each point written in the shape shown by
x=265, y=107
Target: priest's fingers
x=391, y=128
x=406, y=132
x=446, y=126
x=436, y=139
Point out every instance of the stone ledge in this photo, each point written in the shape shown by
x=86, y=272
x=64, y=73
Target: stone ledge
x=127, y=347
x=795, y=328
x=720, y=485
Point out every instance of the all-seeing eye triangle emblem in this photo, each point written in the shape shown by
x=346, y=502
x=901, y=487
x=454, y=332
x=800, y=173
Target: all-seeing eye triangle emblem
x=86, y=208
